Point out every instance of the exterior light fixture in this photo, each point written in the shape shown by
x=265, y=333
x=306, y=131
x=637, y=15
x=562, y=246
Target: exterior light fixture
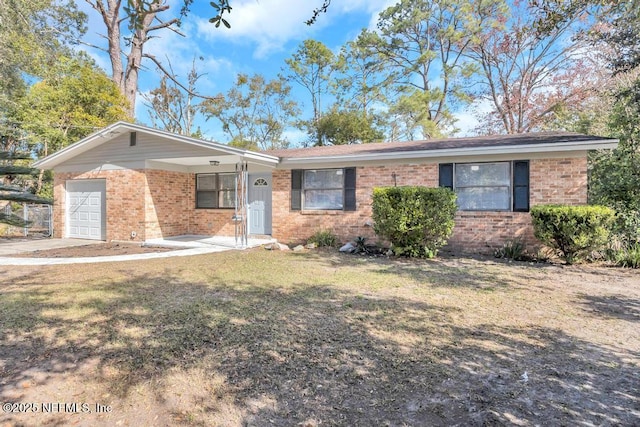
x=214, y=162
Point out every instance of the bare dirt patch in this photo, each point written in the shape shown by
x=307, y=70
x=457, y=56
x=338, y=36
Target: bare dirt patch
x=93, y=250
x=273, y=338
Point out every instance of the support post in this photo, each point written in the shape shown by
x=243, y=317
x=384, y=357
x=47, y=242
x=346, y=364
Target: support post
x=240, y=216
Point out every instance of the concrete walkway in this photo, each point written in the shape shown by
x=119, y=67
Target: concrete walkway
x=184, y=246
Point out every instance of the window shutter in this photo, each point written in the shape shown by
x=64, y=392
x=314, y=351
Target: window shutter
x=350, y=189
x=521, y=186
x=296, y=189
x=446, y=175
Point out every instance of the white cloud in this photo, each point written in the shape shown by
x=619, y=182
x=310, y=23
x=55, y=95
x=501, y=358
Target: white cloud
x=467, y=120
x=295, y=136
x=373, y=7
x=179, y=53
x=271, y=24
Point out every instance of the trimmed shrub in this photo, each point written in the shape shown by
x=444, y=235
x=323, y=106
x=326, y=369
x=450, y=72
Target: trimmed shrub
x=324, y=238
x=416, y=220
x=573, y=231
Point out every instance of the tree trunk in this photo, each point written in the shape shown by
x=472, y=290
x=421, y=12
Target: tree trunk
x=125, y=73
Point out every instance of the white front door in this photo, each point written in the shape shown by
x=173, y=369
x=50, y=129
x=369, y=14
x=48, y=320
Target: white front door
x=86, y=213
x=259, y=209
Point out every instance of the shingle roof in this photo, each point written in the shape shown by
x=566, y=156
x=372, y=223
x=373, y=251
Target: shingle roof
x=437, y=144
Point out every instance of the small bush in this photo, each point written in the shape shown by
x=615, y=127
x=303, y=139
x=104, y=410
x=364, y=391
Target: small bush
x=573, y=231
x=629, y=257
x=361, y=245
x=324, y=238
x=513, y=249
x=416, y=220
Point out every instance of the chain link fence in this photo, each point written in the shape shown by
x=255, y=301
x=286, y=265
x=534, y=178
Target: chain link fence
x=40, y=218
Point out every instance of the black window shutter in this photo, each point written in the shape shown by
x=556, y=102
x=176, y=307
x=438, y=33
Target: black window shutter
x=296, y=189
x=350, y=189
x=521, y=186
x=446, y=175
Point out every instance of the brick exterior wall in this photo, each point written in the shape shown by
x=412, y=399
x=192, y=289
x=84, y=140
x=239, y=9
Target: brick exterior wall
x=551, y=181
x=297, y=226
x=125, y=201
x=153, y=203
x=168, y=197
x=156, y=203
x=482, y=232
x=558, y=181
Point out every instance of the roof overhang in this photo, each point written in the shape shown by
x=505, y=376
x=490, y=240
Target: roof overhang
x=557, y=147
x=220, y=152
x=226, y=155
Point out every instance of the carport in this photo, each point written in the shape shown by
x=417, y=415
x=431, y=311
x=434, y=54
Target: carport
x=132, y=183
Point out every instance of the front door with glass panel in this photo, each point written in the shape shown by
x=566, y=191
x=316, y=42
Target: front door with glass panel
x=259, y=209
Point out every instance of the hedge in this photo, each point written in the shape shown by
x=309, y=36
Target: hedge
x=416, y=220
x=573, y=231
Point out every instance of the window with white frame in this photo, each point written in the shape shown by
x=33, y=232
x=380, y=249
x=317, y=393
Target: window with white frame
x=216, y=190
x=491, y=186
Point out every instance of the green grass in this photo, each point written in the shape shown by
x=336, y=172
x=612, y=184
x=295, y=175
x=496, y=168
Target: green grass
x=259, y=337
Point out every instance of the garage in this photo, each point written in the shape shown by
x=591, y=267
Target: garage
x=86, y=212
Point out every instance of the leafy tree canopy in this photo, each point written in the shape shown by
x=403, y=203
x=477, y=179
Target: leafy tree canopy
x=341, y=127
x=255, y=112
x=70, y=104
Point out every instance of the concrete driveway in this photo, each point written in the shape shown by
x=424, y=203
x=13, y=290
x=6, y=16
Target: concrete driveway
x=19, y=246
x=183, y=245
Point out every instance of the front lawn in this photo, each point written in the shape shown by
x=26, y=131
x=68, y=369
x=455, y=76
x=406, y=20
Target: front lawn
x=273, y=338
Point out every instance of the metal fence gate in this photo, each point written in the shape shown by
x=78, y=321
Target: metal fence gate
x=39, y=217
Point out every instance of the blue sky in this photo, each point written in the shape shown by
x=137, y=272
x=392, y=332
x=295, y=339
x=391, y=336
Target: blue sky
x=263, y=34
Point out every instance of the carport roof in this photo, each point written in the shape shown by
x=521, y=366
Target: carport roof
x=118, y=128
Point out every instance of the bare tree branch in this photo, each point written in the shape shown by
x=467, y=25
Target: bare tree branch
x=173, y=78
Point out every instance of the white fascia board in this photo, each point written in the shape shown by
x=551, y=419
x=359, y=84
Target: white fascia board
x=456, y=152
x=117, y=128
x=263, y=159
x=79, y=147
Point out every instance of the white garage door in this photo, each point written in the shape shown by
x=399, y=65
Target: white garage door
x=86, y=213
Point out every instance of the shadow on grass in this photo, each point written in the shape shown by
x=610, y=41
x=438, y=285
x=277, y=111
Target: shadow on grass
x=612, y=306
x=316, y=352
x=433, y=272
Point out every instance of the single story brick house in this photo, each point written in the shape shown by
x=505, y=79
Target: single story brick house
x=134, y=183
